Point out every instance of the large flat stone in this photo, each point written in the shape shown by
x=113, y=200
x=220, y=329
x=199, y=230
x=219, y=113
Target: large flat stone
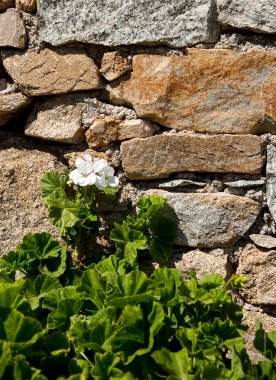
x=122, y=22
x=260, y=267
x=209, y=220
x=159, y=156
x=11, y=102
x=52, y=71
x=21, y=169
x=217, y=91
x=254, y=15
x=12, y=30
x=58, y=119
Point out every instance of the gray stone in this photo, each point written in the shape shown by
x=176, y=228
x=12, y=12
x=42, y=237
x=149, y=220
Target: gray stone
x=264, y=241
x=260, y=267
x=57, y=119
x=180, y=183
x=271, y=179
x=122, y=22
x=245, y=183
x=12, y=30
x=209, y=220
x=203, y=263
x=255, y=15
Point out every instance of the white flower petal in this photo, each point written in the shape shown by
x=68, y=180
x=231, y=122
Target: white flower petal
x=87, y=157
x=79, y=161
x=113, y=181
x=85, y=168
x=91, y=179
x=100, y=181
x=77, y=177
x=99, y=165
x=108, y=171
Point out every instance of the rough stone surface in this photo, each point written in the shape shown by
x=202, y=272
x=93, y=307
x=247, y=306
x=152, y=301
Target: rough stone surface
x=130, y=129
x=11, y=102
x=52, y=71
x=106, y=130
x=103, y=131
x=57, y=119
x=114, y=65
x=203, y=263
x=26, y=5
x=12, y=30
x=209, y=220
x=264, y=241
x=175, y=23
x=255, y=15
x=5, y=4
x=21, y=169
x=207, y=90
x=245, y=183
x=159, y=156
x=96, y=109
x=260, y=267
x=271, y=179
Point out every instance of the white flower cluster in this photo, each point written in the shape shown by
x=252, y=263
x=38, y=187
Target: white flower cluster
x=93, y=172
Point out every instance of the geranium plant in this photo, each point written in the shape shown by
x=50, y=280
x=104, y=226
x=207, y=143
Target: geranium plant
x=72, y=198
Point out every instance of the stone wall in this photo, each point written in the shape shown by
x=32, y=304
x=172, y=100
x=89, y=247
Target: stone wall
x=179, y=97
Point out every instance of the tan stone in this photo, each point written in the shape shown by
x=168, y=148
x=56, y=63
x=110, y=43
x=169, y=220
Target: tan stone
x=217, y=91
x=52, y=71
x=114, y=65
x=159, y=156
x=106, y=130
x=103, y=131
x=26, y=5
x=11, y=102
x=209, y=220
x=260, y=267
x=264, y=241
x=130, y=129
x=12, y=30
x=203, y=263
x=21, y=169
x=57, y=119
x=72, y=156
x=269, y=97
x=5, y=4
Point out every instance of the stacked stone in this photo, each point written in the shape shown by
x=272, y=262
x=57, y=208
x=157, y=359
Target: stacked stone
x=156, y=89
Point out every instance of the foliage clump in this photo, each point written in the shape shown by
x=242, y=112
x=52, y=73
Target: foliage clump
x=109, y=319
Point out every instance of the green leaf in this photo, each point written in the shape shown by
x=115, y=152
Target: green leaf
x=176, y=364
x=10, y=296
x=134, y=288
x=38, y=289
x=105, y=366
x=63, y=213
x=87, y=333
x=163, y=237
x=211, y=281
x=19, y=331
x=52, y=181
x=148, y=206
x=61, y=316
x=265, y=343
